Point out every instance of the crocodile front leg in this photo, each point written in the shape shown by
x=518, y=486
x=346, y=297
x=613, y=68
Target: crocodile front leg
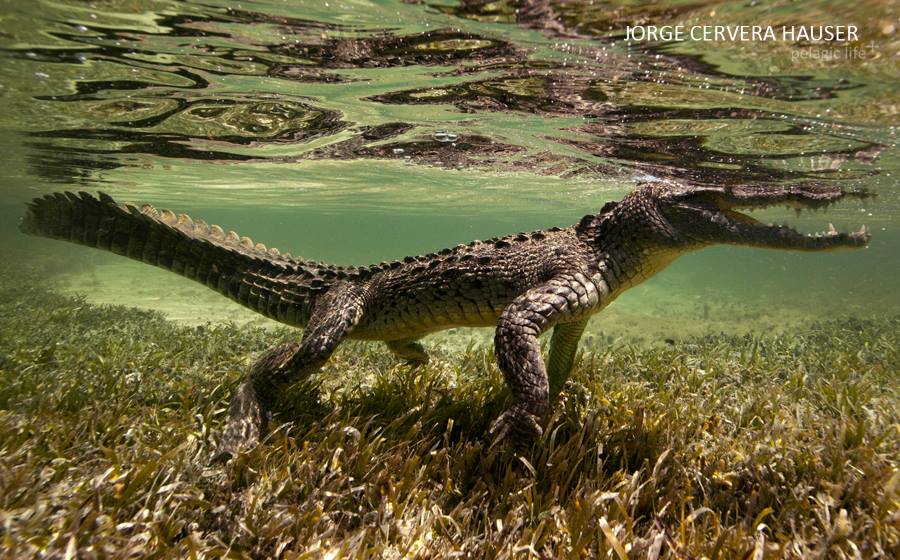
x=333, y=318
x=568, y=298
x=563, y=347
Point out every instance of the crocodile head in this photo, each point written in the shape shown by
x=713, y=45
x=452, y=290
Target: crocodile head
x=700, y=216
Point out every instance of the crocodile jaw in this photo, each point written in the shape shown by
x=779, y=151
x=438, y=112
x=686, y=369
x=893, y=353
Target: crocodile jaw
x=713, y=215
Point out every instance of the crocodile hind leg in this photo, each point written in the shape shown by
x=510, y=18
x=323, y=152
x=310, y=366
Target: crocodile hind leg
x=333, y=318
x=408, y=350
x=563, y=347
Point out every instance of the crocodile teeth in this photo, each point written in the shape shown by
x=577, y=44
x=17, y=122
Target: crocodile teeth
x=863, y=230
x=831, y=230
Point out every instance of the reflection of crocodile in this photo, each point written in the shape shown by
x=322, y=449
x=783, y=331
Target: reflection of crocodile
x=523, y=284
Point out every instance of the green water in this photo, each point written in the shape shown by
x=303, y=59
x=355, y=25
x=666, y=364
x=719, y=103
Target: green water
x=357, y=131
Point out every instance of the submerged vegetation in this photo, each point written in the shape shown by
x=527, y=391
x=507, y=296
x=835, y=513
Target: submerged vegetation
x=716, y=447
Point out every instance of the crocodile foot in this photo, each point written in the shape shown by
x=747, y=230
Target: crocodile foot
x=247, y=423
x=518, y=428
x=417, y=362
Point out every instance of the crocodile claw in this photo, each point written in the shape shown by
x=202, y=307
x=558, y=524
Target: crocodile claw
x=517, y=427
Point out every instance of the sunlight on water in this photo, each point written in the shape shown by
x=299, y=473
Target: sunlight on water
x=354, y=132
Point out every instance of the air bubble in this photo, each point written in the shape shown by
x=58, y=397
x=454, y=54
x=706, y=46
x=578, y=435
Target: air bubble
x=444, y=136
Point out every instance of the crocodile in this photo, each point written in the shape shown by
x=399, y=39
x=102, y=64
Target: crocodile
x=523, y=285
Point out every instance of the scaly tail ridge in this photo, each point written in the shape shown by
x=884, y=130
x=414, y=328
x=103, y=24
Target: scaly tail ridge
x=266, y=281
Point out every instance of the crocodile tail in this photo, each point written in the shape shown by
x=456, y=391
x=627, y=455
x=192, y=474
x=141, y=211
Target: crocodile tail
x=264, y=280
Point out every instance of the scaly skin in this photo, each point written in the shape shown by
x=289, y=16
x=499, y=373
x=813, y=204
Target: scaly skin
x=523, y=284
